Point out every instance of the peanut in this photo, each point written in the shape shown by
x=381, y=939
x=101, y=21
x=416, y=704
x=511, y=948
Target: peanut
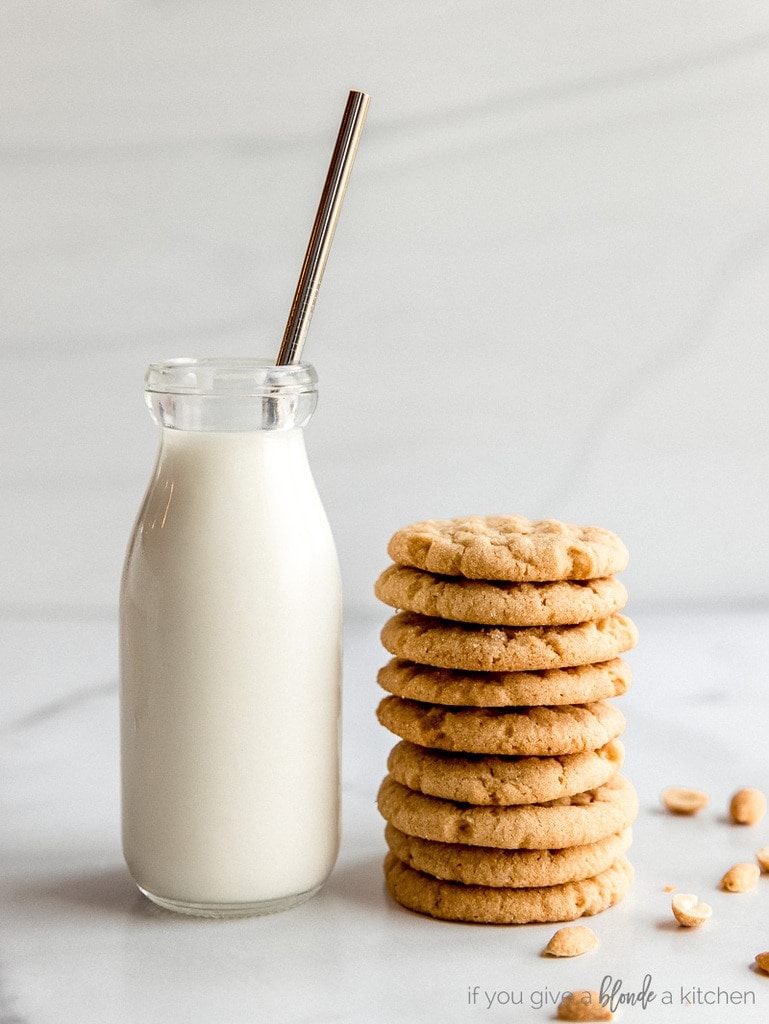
x=680, y=800
x=741, y=878
x=688, y=912
x=747, y=807
x=762, y=856
x=572, y=941
x=762, y=959
x=584, y=1005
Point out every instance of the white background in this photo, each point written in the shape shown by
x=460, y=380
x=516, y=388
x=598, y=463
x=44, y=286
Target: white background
x=547, y=294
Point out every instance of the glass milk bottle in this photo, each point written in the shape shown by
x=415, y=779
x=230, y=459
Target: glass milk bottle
x=230, y=648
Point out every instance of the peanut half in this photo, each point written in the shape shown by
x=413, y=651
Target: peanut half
x=584, y=1005
x=688, y=911
x=762, y=856
x=762, y=959
x=747, y=807
x=572, y=941
x=741, y=878
x=680, y=800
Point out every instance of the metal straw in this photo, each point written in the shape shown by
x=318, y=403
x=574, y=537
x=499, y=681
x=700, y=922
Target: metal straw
x=323, y=229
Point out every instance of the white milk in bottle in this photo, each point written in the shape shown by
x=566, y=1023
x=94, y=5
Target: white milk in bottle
x=230, y=646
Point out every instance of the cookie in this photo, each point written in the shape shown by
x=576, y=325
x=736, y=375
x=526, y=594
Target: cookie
x=496, y=603
x=570, y=821
x=453, y=901
x=480, y=779
x=509, y=548
x=461, y=645
x=515, y=869
x=576, y=685
x=565, y=729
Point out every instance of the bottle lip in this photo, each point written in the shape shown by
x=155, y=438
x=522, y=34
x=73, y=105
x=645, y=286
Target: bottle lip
x=229, y=376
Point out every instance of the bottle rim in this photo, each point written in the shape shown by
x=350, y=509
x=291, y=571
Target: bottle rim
x=229, y=377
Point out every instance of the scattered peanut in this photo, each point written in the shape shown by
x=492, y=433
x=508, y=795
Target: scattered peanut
x=762, y=959
x=688, y=912
x=747, y=806
x=680, y=800
x=584, y=1005
x=741, y=878
x=762, y=856
x=572, y=941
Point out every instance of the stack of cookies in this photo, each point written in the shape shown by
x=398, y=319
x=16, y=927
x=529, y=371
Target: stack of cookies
x=504, y=800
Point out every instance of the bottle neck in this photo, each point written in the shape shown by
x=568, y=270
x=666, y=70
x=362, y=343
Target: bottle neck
x=231, y=395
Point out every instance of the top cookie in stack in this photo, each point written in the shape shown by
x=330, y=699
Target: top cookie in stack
x=510, y=548
x=506, y=645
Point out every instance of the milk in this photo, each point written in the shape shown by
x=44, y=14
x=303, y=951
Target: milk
x=230, y=675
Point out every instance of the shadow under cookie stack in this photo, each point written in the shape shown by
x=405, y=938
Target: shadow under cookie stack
x=504, y=800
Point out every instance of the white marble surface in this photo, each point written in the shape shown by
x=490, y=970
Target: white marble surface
x=78, y=944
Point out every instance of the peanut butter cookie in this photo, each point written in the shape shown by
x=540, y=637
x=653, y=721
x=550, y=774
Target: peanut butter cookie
x=482, y=779
x=515, y=869
x=509, y=548
x=546, y=731
x=570, y=821
x=497, y=603
x=454, y=901
x=460, y=645
x=575, y=685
